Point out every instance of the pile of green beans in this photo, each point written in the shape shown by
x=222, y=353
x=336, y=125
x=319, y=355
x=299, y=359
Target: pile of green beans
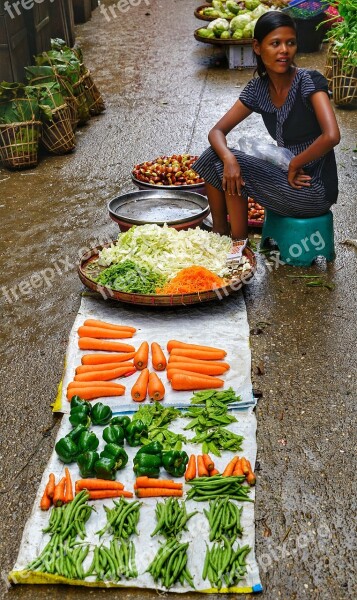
x=172, y=517
x=219, y=438
x=224, y=519
x=115, y=562
x=169, y=565
x=223, y=565
x=122, y=519
x=62, y=559
x=217, y=486
x=69, y=520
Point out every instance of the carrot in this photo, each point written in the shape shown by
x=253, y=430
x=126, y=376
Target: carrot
x=141, y=357
x=86, y=384
x=201, y=354
x=59, y=497
x=214, y=472
x=103, y=367
x=158, y=357
x=230, y=467
x=202, y=471
x=245, y=466
x=87, y=343
x=100, y=332
x=251, y=479
x=143, y=482
x=51, y=484
x=46, y=501
x=181, y=381
x=99, y=359
x=208, y=462
x=140, y=387
x=176, y=344
x=69, y=487
x=191, y=468
x=206, y=369
x=196, y=361
x=238, y=468
x=156, y=492
x=156, y=388
x=104, y=375
x=103, y=324
x=99, y=494
x=98, y=484
x=94, y=391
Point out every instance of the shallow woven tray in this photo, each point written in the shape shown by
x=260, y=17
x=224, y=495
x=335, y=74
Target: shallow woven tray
x=89, y=268
x=203, y=17
x=219, y=42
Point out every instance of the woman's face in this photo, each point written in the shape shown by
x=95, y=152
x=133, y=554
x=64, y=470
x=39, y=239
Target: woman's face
x=277, y=50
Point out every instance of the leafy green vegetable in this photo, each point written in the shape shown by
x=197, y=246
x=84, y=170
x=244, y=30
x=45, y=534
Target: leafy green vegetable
x=215, y=397
x=129, y=277
x=156, y=415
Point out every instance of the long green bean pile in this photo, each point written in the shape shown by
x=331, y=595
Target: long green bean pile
x=224, y=519
x=115, y=562
x=216, y=486
x=169, y=564
x=122, y=519
x=172, y=517
x=223, y=565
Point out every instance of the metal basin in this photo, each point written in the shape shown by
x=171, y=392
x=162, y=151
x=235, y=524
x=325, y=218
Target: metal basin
x=179, y=209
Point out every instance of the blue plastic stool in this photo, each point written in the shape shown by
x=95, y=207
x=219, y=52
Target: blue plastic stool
x=300, y=241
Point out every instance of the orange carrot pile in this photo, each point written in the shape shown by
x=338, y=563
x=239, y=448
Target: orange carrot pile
x=59, y=494
x=205, y=467
x=102, y=488
x=91, y=390
x=241, y=467
x=103, y=367
x=147, y=487
x=104, y=325
x=190, y=280
x=99, y=332
x=105, y=375
x=99, y=359
x=89, y=343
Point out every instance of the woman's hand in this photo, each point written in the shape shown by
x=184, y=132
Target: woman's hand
x=232, y=180
x=297, y=178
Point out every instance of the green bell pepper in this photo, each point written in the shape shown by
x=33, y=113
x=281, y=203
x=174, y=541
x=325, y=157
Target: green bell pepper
x=87, y=441
x=79, y=416
x=147, y=464
x=105, y=468
x=86, y=463
x=121, y=421
x=117, y=453
x=74, y=435
x=114, y=434
x=101, y=414
x=154, y=448
x=66, y=449
x=77, y=401
x=135, y=431
x=174, y=462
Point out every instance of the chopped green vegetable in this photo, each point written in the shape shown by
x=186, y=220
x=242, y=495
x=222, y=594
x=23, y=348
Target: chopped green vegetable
x=130, y=277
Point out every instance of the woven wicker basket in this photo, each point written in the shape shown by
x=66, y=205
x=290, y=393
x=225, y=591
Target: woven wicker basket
x=328, y=67
x=80, y=94
x=94, y=98
x=19, y=144
x=344, y=83
x=57, y=135
x=72, y=104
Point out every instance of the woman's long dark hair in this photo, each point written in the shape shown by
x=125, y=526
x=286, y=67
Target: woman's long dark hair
x=265, y=25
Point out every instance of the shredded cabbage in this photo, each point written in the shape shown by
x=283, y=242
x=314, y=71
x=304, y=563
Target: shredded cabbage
x=167, y=251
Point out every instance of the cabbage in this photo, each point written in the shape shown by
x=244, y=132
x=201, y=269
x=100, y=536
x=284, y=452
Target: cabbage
x=240, y=22
x=251, y=4
x=232, y=6
x=167, y=251
x=218, y=26
x=205, y=32
x=210, y=12
x=259, y=11
x=248, y=30
x=217, y=5
x=225, y=35
x=237, y=35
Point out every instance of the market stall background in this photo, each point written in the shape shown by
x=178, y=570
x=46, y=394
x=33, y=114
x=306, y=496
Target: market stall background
x=298, y=438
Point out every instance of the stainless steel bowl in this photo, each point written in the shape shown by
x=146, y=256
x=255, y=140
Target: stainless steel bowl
x=179, y=209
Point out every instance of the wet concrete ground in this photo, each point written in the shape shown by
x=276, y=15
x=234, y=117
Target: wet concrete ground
x=163, y=92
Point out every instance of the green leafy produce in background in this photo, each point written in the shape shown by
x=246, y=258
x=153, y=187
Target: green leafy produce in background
x=131, y=278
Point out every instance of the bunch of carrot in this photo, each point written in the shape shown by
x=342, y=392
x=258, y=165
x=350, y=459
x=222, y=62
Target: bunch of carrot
x=148, y=487
x=99, y=489
x=59, y=494
x=204, y=467
x=148, y=384
x=240, y=466
x=195, y=367
x=92, y=376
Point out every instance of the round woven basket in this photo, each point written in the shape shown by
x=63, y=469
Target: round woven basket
x=199, y=15
x=344, y=82
x=94, y=98
x=72, y=104
x=57, y=135
x=219, y=42
x=80, y=94
x=88, y=269
x=19, y=144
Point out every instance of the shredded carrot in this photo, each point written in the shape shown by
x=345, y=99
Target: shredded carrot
x=192, y=279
